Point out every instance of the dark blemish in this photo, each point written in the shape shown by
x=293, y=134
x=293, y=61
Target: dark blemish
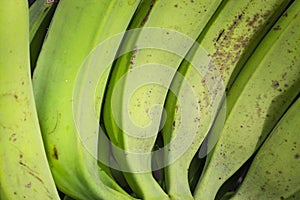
x=275, y=84
x=15, y=96
x=277, y=28
x=192, y=1
x=15, y=193
x=176, y=6
x=263, y=188
x=55, y=153
x=236, y=47
x=28, y=185
x=281, y=198
x=220, y=34
x=280, y=172
x=267, y=172
x=21, y=156
x=133, y=56
x=220, y=178
x=13, y=137
x=280, y=90
x=297, y=156
x=22, y=83
x=240, y=16
x=167, y=33
x=285, y=14
x=174, y=123
x=251, y=22
x=242, y=126
x=148, y=13
x=266, y=15
x=197, y=119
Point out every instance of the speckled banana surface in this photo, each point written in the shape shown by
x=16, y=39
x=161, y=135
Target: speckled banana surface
x=76, y=29
x=275, y=172
x=24, y=170
x=139, y=82
x=260, y=95
x=228, y=40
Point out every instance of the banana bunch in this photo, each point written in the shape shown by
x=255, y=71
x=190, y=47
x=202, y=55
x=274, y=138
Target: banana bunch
x=150, y=99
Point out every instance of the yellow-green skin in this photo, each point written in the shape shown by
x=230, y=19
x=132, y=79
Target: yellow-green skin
x=258, y=98
x=228, y=39
x=24, y=170
x=275, y=172
x=76, y=29
x=186, y=17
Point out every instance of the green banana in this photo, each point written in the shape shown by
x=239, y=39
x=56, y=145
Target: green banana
x=259, y=96
x=274, y=172
x=164, y=33
x=222, y=49
x=77, y=28
x=24, y=170
x=40, y=15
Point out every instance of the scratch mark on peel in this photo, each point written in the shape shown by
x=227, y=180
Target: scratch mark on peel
x=33, y=174
x=58, y=115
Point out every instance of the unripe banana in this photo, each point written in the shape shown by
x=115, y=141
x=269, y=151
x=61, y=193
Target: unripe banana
x=126, y=117
x=226, y=43
x=76, y=29
x=275, y=172
x=259, y=96
x=24, y=170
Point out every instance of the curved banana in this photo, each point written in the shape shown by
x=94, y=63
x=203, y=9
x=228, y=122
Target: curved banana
x=275, y=172
x=76, y=29
x=226, y=43
x=24, y=170
x=259, y=96
x=126, y=113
